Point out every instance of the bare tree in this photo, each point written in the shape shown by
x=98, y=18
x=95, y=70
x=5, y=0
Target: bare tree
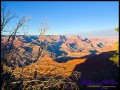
x=50, y=78
x=9, y=53
x=6, y=17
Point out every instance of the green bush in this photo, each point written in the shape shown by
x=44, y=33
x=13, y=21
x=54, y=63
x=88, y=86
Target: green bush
x=115, y=57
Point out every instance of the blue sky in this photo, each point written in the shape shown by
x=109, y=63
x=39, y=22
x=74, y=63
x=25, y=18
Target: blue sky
x=67, y=17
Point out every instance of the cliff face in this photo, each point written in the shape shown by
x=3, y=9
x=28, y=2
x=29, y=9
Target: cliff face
x=63, y=45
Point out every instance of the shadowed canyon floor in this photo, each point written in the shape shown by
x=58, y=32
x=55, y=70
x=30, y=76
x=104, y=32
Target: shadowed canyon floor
x=89, y=56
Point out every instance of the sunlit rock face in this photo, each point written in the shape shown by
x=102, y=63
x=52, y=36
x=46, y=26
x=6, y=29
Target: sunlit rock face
x=64, y=45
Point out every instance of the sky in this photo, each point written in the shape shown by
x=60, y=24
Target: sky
x=67, y=18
